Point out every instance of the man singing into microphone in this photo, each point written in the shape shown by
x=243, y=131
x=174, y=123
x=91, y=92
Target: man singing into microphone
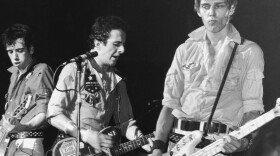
x=103, y=92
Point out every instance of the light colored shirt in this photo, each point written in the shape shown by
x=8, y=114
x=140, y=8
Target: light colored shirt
x=101, y=97
x=35, y=81
x=193, y=80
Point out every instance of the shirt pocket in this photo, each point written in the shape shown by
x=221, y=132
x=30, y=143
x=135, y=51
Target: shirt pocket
x=234, y=78
x=92, y=100
x=190, y=71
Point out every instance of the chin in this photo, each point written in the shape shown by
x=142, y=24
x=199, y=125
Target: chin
x=113, y=64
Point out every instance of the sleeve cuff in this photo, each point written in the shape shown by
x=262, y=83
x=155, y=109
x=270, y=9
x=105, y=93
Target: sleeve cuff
x=253, y=105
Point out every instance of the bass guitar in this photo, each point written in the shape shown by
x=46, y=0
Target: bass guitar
x=67, y=146
x=20, y=111
x=186, y=146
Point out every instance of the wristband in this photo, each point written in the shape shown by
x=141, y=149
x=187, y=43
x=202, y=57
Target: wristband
x=158, y=144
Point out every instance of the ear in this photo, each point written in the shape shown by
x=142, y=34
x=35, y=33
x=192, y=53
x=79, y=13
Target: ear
x=232, y=10
x=198, y=13
x=31, y=51
x=97, y=44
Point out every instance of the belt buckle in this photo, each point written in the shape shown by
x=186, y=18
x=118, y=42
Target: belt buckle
x=22, y=135
x=213, y=128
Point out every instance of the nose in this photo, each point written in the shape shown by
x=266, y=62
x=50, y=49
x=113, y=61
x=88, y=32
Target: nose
x=121, y=49
x=212, y=11
x=15, y=55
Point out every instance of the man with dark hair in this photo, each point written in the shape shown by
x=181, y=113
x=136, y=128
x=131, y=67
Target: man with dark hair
x=103, y=91
x=195, y=75
x=30, y=88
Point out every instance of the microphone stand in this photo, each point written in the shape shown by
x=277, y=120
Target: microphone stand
x=79, y=68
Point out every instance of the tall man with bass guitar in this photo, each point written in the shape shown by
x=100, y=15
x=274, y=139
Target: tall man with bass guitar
x=103, y=94
x=196, y=73
x=30, y=88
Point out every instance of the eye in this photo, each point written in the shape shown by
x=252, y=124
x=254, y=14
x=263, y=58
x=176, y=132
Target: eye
x=9, y=51
x=219, y=6
x=118, y=44
x=19, y=50
x=205, y=6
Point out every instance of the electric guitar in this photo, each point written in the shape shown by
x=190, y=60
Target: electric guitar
x=186, y=146
x=67, y=146
x=20, y=111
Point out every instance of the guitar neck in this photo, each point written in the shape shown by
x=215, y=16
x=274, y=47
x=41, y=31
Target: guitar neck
x=243, y=131
x=131, y=145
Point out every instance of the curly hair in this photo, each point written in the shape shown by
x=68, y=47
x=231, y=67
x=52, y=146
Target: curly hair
x=228, y=2
x=102, y=27
x=11, y=34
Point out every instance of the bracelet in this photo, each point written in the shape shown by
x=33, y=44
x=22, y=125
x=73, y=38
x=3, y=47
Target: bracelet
x=158, y=144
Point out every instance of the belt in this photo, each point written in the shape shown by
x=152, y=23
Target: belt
x=180, y=126
x=27, y=134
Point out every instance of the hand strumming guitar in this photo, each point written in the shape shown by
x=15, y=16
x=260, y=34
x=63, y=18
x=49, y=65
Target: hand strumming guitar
x=96, y=140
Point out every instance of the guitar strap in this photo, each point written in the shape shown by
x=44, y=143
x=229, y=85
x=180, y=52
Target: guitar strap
x=221, y=87
x=117, y=115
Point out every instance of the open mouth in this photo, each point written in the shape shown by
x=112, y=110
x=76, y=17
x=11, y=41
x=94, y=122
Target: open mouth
x=115, y=57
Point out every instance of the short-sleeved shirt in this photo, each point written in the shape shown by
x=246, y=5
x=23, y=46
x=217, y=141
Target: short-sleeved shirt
x=191, y=84
x=35, y=82
x=103, y=96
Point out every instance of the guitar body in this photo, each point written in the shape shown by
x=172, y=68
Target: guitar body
x=67, y=146
x=19, y=112
x=187, y=144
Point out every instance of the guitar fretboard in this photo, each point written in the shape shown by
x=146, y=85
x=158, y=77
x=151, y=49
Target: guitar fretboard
x=131, y=145
x=243, y=131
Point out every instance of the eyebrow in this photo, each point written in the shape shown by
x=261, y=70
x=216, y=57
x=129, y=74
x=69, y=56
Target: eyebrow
x=118, y=42
x=15, y=49
x=215, y=3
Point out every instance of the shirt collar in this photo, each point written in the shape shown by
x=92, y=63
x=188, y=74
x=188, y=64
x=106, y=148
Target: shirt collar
x=200, y=34
x=14, y=69
x=99, y=70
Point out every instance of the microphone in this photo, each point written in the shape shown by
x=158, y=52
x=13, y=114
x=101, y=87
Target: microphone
x=82, y=57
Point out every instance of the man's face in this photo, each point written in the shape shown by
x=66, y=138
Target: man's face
x=110, y=52
x=215, y=14
x=19, y=55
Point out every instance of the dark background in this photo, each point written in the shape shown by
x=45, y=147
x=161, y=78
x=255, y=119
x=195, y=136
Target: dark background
x=157, y=27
